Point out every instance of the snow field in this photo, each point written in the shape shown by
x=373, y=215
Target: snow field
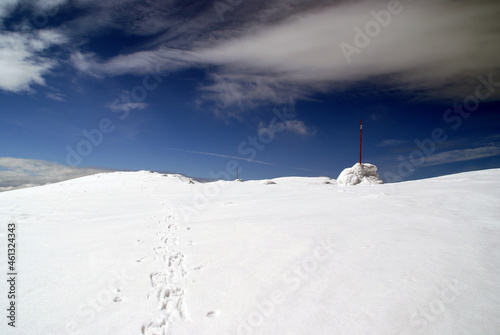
x=144, y=253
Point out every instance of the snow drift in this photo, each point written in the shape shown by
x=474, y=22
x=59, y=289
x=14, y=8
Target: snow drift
x=359, y=174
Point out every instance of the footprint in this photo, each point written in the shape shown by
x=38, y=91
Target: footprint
x=175, y=241
x=172, y=302
x=199, y=267
x=176, y=261
x=155, y=327
x=161, y=250
x=117, y=298
x=167, y=284
x=213, y=314
x=173, y=226
x=158, y=278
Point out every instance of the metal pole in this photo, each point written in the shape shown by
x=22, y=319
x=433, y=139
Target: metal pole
x=360, y=138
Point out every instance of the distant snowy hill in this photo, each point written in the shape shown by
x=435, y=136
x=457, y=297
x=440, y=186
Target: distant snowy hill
x=144, y=253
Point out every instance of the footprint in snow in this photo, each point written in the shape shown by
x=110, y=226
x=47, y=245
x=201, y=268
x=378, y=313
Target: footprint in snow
x=117, y=298
x=213, y=314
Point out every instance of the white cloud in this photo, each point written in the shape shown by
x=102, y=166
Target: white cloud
x=391, y=143
x=49, y=37
x=6, y=6
x=295, y=126
x=20, y=65
x=133, y=17
x=272, y=51
x=48, y=5
x=298, y=127
x=127, y=107
x=21, y=62
x=18, y=172
x=56, y=96
x=462, y=155
x=430, y=45
x=439, y=47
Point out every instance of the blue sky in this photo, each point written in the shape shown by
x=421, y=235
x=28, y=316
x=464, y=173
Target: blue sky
x=276, y=88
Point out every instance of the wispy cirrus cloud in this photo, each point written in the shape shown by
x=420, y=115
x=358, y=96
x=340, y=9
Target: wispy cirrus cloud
x=298, y=127
x=462, y=155
x=271, y=51
x=438, y=48
x=391, y=143
x=127, y=106
x=293, y=126
x=24, y=63
x=56, y=96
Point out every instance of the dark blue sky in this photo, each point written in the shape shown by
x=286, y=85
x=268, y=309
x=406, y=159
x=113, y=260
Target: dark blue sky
x=276, y=88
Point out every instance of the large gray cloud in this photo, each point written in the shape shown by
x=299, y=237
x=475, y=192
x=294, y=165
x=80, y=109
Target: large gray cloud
x=273, y=51
x=436, y=47
x=18, y=173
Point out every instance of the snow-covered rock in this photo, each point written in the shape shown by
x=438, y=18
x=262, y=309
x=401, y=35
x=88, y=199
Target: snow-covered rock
x=359, y=174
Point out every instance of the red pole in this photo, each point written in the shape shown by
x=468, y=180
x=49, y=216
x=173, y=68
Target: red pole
x=360, y=138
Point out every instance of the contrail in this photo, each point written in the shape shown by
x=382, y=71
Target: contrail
x=221, y=155
x=302, y=169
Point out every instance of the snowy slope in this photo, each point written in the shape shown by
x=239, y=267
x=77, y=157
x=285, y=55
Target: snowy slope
x=143, y=253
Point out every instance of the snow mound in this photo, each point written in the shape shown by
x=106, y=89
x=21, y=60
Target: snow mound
x=359, y=174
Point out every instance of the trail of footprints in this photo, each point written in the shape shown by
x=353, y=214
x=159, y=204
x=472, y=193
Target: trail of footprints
x=167, y=283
